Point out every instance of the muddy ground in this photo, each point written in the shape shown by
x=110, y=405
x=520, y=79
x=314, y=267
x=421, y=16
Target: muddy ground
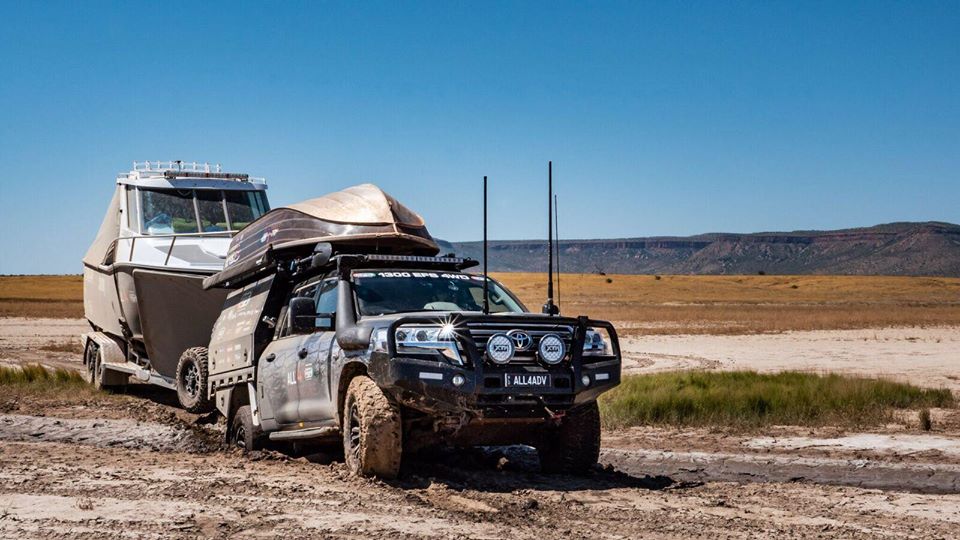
x=135, y=466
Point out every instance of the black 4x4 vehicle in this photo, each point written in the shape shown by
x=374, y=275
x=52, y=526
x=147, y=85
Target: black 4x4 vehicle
x=393, y=352
x=343, y=324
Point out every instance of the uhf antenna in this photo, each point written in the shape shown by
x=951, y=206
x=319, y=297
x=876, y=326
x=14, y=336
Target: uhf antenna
x=486, y=286
x=556, y=234
x=549, y=308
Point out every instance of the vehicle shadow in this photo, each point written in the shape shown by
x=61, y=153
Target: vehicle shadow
x=156, y=394
x=512, y=468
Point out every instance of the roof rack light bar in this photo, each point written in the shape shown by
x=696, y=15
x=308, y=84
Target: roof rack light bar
x=416, y=258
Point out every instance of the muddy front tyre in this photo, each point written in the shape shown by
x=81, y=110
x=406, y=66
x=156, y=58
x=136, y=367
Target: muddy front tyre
x=243, y=434
x=372, y=431
x=192, y=381
x=573, y=447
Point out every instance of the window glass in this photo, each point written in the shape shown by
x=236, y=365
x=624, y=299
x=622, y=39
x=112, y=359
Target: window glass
x=133, y=218
x=381, y=293
x=327, y=302
x=210, y=204
x=244, y=207
x=167, y=211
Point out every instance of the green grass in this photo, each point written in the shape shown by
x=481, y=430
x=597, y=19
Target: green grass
x=37, y=375
x=748, y=399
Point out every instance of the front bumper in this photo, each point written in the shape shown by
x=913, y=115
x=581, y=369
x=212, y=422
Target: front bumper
x=426, y=384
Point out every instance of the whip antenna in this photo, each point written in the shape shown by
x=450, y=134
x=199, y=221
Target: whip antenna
x=486, y=285
x=556, y=231
x=549, y=308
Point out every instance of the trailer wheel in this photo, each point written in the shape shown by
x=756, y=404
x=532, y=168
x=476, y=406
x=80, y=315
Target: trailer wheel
x=91, y=364
x=96, y=373
x=372, y=431
x=573, y=447
x=243, y=434
x=192, y=381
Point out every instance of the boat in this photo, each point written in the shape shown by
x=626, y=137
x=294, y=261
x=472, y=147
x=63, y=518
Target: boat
x=168, y=226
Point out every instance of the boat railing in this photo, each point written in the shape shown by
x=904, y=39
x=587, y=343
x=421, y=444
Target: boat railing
x=173, y=241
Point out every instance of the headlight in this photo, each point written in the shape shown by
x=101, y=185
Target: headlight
x=594, y=344
x=440, y=338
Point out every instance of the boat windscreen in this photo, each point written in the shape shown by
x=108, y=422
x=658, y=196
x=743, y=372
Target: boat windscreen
x=244, y=207
x=172, y=211
x=168, y=211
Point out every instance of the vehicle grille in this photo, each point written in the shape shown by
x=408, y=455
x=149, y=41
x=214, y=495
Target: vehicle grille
x=482, y=331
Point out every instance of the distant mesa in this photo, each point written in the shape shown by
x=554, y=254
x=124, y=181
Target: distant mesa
x=896, y=249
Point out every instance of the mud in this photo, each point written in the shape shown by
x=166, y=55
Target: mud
x=135, y=466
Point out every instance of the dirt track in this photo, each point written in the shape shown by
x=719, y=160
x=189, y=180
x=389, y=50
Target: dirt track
x=133, y=466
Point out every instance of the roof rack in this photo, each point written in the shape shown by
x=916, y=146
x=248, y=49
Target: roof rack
x=171, y=170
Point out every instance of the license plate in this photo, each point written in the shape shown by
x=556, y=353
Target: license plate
x=527, y=379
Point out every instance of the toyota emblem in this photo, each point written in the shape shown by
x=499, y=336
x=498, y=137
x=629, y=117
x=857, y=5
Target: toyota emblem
x=521, y=340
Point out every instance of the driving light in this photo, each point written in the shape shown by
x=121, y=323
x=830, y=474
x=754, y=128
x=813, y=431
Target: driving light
x=500, y=348
x=458, y=380
x=585, y=380
x=552, y=350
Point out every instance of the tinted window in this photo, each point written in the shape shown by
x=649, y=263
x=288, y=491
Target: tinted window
x=210, y=204
x=244, y=207
x=168, y=211
x=381, y=293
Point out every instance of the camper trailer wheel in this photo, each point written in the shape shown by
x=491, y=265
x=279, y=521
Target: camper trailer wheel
x=371, y=430
x=192, y=381
x=243, y=434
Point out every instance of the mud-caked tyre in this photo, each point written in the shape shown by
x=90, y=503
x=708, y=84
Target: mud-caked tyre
x=243, y=434
x=191, y=380
x=372, y=430
x=573, y=447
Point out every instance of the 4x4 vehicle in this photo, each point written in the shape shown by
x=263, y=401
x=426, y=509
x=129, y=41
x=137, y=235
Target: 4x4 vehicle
x=395, y=352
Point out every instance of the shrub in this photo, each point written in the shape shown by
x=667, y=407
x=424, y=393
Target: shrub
x=749, y=399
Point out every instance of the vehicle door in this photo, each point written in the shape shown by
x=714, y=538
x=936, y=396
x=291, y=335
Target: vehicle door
x=316, y=405
x=279, y=368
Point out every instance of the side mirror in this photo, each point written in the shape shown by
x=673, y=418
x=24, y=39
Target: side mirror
x=321, y=254
x=303, y=315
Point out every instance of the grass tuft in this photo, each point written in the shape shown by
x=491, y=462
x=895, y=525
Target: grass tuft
x=37, y=375
x=746, y=399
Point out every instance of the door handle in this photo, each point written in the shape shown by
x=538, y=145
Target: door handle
x=270, y=357
x=302, y=353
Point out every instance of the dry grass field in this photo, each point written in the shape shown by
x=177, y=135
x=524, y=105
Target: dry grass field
x=41, y=296
x=642, y=304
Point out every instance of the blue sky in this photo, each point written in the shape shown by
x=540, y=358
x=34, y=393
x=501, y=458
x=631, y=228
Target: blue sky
x=667, y=118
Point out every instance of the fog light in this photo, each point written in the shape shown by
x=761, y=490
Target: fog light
x=458, y=380
x=585, y=380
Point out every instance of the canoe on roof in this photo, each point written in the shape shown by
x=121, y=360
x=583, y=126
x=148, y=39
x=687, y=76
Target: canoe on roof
x=359, y=218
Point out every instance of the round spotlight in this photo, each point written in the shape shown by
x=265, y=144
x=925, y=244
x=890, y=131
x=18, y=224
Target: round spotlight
x=585, y=380
x=552, y=350
x=458, y=380
x=500, y=348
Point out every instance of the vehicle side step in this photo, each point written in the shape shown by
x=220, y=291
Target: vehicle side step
x=307, y=433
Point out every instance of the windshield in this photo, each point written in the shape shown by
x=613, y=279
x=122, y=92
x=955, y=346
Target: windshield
x=383, y=293
x=172, y=211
